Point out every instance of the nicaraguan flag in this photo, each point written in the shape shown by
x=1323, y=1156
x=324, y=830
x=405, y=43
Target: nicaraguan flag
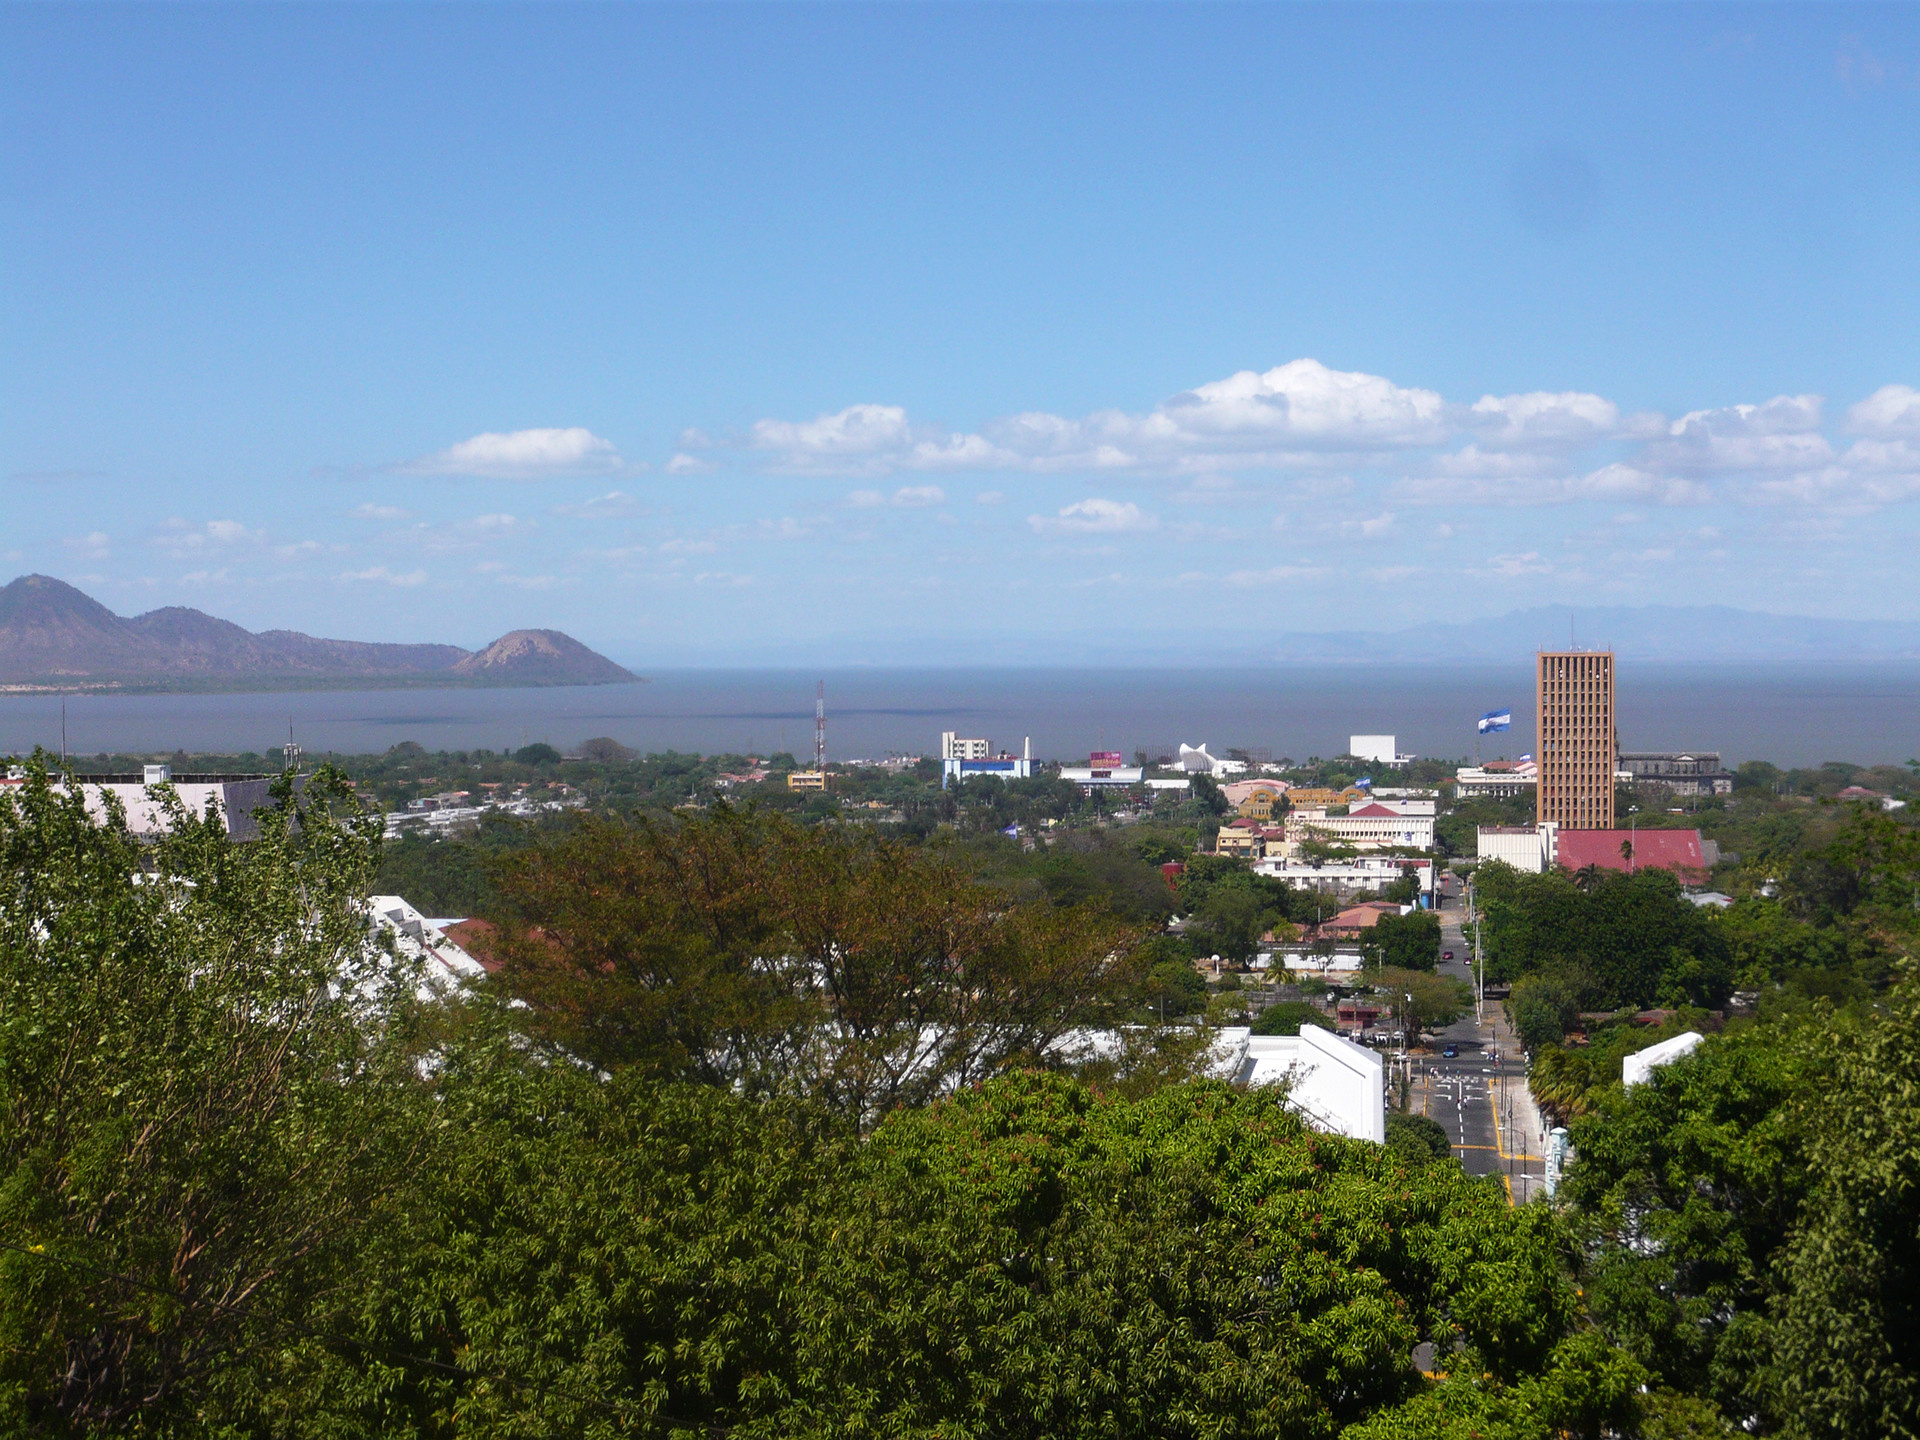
x=1496, y=720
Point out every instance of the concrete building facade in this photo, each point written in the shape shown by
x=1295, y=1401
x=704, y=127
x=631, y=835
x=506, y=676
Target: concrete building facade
x=1577, y=746
x=1530, y=849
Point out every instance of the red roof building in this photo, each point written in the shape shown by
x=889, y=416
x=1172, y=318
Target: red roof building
x=1629, y=850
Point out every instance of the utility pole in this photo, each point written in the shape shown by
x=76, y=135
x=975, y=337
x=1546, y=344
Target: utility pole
x=1479, y=958
x=820, y=728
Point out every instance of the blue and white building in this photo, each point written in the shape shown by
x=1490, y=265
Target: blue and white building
x=962, y=758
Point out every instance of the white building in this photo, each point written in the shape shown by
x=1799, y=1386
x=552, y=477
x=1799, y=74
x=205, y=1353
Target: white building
x=444, y=966
x=1092, y=777
x=233, y=798
x=1344, y=877
x=1530, y=849
x=1398, y=805
x=1380, y=749
x=1368, y=827
x=1496, y=781
x=1335, y=1085
x=1195, y=760
x=963, y=759
x=1638, y=1068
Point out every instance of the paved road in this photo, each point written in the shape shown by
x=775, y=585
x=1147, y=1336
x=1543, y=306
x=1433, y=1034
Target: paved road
x=1480, y=1096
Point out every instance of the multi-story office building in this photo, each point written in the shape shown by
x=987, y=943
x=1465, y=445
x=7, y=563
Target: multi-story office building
x=1696, y=772
x=1577, y=746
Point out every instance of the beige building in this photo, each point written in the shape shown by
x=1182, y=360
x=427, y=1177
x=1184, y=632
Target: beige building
x=807, y=780
x=1577, y=746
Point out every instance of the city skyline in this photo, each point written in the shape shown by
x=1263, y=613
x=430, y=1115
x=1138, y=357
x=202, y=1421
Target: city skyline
x=885, y=331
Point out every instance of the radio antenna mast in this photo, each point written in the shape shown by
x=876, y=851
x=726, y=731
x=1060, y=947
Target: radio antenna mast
x=820, y=728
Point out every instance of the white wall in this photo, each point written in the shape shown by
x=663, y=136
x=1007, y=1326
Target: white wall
x=1638, y=1068
x=1337, y=1086
x=1377, y=748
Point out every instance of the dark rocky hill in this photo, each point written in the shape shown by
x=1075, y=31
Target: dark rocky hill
x=53, y=634
x=539, y=657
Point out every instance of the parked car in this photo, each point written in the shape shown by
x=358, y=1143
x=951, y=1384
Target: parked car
x=1446, y=954
x=1452, y=1052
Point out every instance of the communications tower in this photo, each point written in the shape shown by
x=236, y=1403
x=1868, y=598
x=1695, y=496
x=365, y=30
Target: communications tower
x=820, y=728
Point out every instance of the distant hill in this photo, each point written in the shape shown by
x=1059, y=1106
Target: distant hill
x=539, y=657
x=53, y=634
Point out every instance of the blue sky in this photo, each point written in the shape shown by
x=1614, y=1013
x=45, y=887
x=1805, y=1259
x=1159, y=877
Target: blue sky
x=872, y=333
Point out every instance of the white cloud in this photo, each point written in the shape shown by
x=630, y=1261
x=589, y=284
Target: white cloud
x=496, y=523
x=1378, y=525
x=1276, y=575
x=94, y=545
x=1321, y=427
x=181, y=537
x=1525, y=563
x=1892, y=412
x=919, y=495
x=685, y=464
x=1782, y=434
x=381, y=575
x=856, y=436
x=989, y=497
x=865, y=499
x=1248, y=419
x=1567, y=421
x=1094, y=517
x=601, y=507
x=381, y=512
x=524, y=455
x=1615, y=482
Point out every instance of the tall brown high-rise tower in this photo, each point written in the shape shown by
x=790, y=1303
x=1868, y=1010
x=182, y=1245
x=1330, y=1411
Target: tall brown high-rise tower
x=1577, y=748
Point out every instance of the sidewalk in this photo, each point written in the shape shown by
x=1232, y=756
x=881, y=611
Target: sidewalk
x=1522, y=1130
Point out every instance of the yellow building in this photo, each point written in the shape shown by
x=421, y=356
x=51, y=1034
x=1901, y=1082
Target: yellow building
x=807, y=780
x=1323, y=798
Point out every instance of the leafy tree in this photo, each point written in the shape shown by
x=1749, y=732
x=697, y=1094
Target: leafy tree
x=743, y=950
x=538, y=753
x=1207, y=793
x=1173, y=989
x=206, y=1063
x=1634, y=938
x=1408, y=942
x=1286, y=1018
x=1416, y=1139
x=1425, y=1001
x=1686, y=1191
x=1544, y=1006
x=1848, y=1337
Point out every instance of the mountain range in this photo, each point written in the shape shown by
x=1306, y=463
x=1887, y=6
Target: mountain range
x=55, y=635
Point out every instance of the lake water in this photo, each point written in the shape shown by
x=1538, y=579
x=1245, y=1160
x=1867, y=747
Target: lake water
x=1790, y=716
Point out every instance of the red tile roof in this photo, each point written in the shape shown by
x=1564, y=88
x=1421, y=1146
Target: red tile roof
x=1675, y=850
